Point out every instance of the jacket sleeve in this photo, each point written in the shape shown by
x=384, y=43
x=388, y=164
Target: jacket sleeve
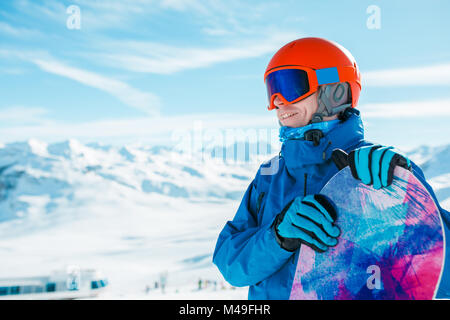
x=247, y=253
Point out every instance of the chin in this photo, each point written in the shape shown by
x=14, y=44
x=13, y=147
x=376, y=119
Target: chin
x=293, y=124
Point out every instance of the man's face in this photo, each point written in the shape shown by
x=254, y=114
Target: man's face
x=297, y=114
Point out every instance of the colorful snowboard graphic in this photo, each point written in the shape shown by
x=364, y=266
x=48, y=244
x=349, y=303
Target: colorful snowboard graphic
x=391, y=244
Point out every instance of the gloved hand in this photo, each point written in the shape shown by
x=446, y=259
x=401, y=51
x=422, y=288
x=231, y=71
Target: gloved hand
x=308, y=220
x=375, y=165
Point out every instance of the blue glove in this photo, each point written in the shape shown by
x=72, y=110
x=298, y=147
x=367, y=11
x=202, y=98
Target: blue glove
x=375, y=165
x=308, y=220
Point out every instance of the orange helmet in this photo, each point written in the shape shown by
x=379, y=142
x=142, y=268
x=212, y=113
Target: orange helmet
x=301, y=66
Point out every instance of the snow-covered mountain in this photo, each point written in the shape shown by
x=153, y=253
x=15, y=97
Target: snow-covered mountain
x=133, y=211
x=41, y=179
x=37, y=178
x=435, y=163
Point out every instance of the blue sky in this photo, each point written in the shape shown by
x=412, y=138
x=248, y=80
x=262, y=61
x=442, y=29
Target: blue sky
x=138, y=70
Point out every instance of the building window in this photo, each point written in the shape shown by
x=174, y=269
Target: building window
x=51, y=287
x=3, y=291
x=15, y=290
x=94, y=285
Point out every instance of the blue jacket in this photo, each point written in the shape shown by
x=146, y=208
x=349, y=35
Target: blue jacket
x=247, y=252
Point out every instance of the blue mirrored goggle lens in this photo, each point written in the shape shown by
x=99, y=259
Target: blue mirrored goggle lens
x=290, y=83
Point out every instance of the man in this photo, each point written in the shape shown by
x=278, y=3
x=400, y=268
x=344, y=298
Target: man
x=314, y=86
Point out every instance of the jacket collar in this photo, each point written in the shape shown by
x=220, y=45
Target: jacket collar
x=299, y=153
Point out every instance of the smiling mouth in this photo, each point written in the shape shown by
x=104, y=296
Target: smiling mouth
x=287, y=115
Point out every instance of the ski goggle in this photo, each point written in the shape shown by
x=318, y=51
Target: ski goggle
x=294, y=83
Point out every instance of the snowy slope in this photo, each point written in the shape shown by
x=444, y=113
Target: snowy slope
x=133, y=212
x=435, y=163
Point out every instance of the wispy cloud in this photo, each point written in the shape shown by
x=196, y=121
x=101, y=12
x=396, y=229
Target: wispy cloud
x=233, y=15
x=151, y=57
x=10, y=30
x=160, y=129
x=151, y=129
x=243, y=28
x=103, y=15
x=21, y=115
x=12, y=70
x=434, y=75
x=42, y=10
x=143, y=101
x=184, y=5
x=407, y=109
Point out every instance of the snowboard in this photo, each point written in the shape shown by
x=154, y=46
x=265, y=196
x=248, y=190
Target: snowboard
x=391, y=244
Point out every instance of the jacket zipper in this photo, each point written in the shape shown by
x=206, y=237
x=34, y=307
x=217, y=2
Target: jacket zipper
x=324, y=153
x=304, y=186
x=259, y=201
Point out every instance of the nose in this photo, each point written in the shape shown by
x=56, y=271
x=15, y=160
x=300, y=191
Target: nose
x=277, y=102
